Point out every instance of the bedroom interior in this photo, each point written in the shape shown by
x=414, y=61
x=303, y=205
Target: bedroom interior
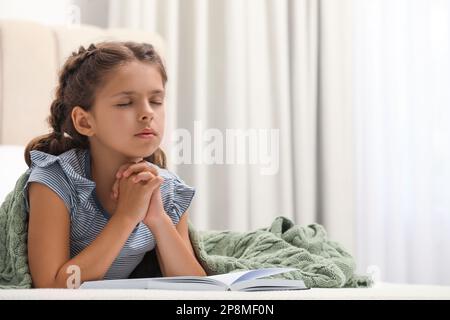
x=31, y=53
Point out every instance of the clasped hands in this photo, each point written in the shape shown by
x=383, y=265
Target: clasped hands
x=137, y=193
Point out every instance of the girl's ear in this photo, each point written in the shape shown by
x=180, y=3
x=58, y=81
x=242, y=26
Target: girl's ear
x=82, y=121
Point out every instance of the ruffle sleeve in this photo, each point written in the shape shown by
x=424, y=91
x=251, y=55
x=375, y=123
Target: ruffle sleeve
x=176, y=194
x=58, y=173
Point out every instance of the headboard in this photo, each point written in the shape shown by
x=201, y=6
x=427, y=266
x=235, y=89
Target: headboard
x=30, y=57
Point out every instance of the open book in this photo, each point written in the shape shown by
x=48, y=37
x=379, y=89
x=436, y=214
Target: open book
x=234, y=281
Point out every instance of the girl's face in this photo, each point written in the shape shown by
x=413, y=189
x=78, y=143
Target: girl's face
x=131, y=100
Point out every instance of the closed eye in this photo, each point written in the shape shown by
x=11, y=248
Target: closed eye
x=131, y=102
x=124, y=104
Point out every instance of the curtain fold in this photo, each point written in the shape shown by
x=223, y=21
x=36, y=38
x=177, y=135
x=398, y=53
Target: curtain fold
x=402, y=72
x=260, y=65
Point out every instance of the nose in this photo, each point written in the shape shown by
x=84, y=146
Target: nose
x=147, y=112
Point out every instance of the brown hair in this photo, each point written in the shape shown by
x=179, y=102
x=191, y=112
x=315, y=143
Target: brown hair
x=82, y=73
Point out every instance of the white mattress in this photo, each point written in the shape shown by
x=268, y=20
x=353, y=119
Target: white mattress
x=379, y=291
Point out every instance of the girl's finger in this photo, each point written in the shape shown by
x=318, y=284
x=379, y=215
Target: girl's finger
x=153, y=169
x=115, y=188
x=154, y=183
x=119, y=173
x=134, y=167
x=122, y=168
x=143, y=176
x=138, y=167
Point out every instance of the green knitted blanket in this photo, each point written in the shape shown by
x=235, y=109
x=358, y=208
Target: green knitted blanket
x=319, y=261
x=14, y=272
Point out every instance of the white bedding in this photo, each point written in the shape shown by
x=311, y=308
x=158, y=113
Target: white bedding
x=379, y=291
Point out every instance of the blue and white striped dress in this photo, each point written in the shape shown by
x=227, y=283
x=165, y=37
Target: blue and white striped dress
x=69, y=176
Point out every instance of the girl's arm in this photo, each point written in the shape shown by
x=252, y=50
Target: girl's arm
x=49, y=236
x=174, y=250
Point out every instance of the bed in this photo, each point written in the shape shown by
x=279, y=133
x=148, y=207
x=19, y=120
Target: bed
x=28, y=48
x=380, y=291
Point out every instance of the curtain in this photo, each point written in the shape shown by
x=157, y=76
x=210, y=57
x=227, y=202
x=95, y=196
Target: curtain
x=402, y=114
x=257, y=66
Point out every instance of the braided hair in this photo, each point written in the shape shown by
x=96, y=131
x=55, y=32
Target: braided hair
x=78, y=79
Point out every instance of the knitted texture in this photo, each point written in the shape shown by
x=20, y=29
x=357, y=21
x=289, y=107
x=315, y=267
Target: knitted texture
x=319, y=261
x=14, y=272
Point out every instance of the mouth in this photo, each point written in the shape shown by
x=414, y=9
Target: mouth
x=145, y=135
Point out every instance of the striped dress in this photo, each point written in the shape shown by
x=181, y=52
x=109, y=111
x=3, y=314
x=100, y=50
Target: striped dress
x=69, y=176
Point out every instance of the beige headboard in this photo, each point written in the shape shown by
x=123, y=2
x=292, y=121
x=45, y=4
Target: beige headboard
x=30, y=57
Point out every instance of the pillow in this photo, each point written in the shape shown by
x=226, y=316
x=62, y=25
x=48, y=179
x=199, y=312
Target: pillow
x=12, y=165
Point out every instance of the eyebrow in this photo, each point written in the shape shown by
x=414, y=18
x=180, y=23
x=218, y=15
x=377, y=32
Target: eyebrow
x=156, y=91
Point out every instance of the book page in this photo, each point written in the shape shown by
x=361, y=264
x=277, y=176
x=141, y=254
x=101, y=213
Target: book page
x=234, y=277
x=115, y=284
x=220, y=281
x=187, y=279
x=185, y=285
x=143, y=283
x=268, y=285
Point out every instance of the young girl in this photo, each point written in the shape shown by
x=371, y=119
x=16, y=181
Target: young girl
x=99, y=194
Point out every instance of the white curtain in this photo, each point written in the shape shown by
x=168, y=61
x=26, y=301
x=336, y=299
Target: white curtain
x=253, y=64
x=402, y=117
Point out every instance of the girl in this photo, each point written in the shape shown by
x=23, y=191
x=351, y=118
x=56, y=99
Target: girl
x=99, y=194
